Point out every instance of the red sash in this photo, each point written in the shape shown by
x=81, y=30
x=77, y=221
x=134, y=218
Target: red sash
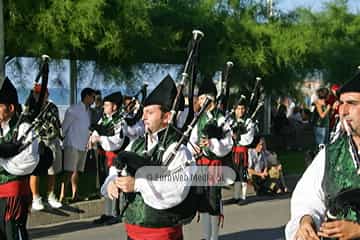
x=238, y=149
x=240, y=153
x=18, y=197
x=110, y=156
x=15, y=188
x=214, y=170
x=143, y=233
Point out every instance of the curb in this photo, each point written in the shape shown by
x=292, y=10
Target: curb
x=73, y=212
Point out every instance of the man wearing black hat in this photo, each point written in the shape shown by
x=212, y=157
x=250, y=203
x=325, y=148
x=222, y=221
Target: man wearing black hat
x=211, y=138
x=156, y=210
x=109, y=136
x=15, y=166
x=334, y=171
x=243, y=135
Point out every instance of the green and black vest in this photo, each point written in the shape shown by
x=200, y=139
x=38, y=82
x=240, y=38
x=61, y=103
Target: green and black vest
x=340, y=174
x=4, y=175
x=138, y=213
x=204, y=119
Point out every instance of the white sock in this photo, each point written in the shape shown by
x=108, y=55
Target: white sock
x=244, y=190
x=214, y=228
x=205, y=221
x=108, y=207
x=237, y=186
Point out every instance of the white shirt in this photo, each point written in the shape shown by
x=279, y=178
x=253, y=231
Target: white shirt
x=26, y=161
x=308, y=197
x=136, y=130
x=247, y=138
x=158, y=194
x=114, y=142
x=76, y=126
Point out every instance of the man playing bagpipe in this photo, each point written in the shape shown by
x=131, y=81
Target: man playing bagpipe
x=154, y=209
x=211, y=140
x=15, y=167
x=50, y=153
x=318, y=208
x=243, y=135
x=110, y=137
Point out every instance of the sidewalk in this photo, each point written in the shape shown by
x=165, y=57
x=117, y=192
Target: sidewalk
x=90, y=209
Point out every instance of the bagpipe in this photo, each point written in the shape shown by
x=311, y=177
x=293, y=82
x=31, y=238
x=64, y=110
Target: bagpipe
x=340, y=206
x=212, y=129
x=128, y=163
x=189, y=68
x=38, y=112
x=342, y=203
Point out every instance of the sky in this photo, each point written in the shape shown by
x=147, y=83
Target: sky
x=315, y=5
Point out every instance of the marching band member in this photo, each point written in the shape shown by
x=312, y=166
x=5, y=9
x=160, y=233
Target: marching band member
x=243, y=135
x=156, y=210
x=211, y=138
x=15, y=167
x=334, y=169
x=110, y=135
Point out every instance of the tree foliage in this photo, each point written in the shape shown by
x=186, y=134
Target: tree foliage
x=282, y=49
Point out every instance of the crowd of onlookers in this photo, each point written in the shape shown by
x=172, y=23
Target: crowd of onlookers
x=297, y=126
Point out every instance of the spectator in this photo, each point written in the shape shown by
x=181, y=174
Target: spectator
x=76, y=134
x=97, y=110
x=275, y=168
x=282, y=126
x=258, y=169
x=321, y=117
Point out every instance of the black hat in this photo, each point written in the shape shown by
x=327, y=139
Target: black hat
x=242, y=101
x=207, y=86
x=8, y=93
x=164, y=94
x=351, y=86
x=115, y=97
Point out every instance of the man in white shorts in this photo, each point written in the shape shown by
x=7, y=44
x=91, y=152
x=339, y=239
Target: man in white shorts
x=76, y=134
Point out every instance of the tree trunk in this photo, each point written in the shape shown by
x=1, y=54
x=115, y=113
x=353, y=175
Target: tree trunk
x=73, y=81
x=2, y=45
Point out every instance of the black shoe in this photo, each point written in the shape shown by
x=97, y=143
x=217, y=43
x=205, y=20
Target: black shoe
x=230, y=201
x=102, y=219
x=242, y=202
x=113, y=220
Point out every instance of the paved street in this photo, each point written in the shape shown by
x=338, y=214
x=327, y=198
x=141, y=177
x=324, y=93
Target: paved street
x=260, y=219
